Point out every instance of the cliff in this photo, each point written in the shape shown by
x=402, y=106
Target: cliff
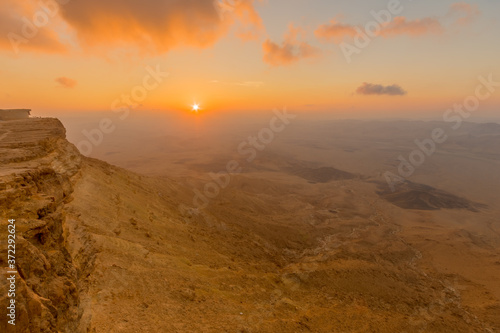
x=102, y=249
x=13, y=114
x=37, y=170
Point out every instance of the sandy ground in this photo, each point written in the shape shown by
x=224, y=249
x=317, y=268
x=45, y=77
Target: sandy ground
x=295, y=183
x=302, y=240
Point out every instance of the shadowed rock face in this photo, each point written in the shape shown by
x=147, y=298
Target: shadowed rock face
x=320, y=175
x=12, y=114
x=102, y=249
x=36, y=167
x=410, y=195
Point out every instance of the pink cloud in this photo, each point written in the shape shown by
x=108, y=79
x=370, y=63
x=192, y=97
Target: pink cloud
x=335, y=31
x=400, y=25
x=66, y=82
x=470, y=12
x=290, y=50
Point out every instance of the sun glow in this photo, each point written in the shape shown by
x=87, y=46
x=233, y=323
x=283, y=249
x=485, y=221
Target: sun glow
x=195, y=107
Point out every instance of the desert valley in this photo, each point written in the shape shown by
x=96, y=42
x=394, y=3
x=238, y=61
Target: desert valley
x=249, y=166
x=307, y=237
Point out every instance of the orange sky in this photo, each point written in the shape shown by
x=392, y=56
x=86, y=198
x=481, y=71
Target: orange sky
x=236, y=55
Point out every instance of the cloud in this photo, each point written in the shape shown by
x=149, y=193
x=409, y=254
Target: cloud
x=291, y=49
x=378, y=89
x=400, y=25
x=335, y=31
x=154, y=26
x=251, y=26
x=157, y=25
x=66, y=82
x=470, y=12
x=18, y=31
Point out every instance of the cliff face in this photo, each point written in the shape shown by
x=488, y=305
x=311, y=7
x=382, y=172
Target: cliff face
x=37, y=167
x=12, y=114
x=102, y=249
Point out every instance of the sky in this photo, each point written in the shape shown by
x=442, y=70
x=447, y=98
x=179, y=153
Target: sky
x=351, y=58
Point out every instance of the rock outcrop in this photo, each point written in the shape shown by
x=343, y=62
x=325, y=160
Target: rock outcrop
x=37, y=167
x=12, y=114
x=101, y=249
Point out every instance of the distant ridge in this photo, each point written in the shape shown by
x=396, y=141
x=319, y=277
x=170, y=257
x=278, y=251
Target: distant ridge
x=411, y=195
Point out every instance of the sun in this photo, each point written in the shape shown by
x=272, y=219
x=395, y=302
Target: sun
x=195, y=107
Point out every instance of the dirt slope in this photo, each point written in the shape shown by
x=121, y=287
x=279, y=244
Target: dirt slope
x=102, y=249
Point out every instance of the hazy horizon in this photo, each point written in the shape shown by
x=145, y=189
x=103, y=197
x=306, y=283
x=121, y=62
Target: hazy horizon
x=250, y=166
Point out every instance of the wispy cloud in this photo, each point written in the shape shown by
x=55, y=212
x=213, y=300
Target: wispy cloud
x=290, y=50
x=378, y=89
x=464, y=13
x=469, y=12
x=401, y=26
x=335, y=31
